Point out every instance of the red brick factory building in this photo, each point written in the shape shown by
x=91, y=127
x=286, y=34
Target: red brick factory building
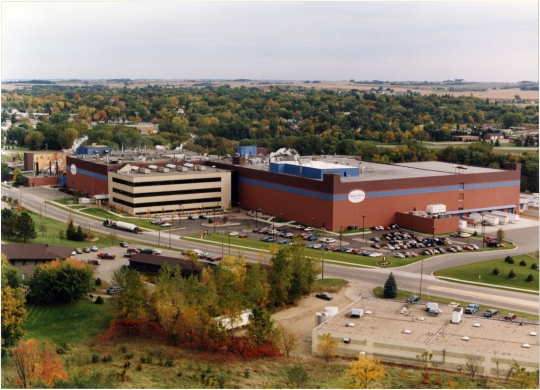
x=334, y=192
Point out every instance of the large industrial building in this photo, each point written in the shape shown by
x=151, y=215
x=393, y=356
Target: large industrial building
x=330, y=192
x=335, y=192
x=398, y=332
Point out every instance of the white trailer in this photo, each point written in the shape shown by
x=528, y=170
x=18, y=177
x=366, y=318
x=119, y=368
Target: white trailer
x=130, y=227
x=491, y=219
x=502, y=218
x=472, y=221
x=242, y=320
x=510, y=217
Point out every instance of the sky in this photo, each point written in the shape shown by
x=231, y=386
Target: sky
x=483, y=41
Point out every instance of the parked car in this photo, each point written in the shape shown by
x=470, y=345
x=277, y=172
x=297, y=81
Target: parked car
x=325, y=296
x=149, y=251
x=124, y=244
x=284, y=242
x=157, y=252
x=510, y=316
x=468, y=248
x=86, y=250
x=376, y=246
x=202, y=216
x=133, y=250
x=243, y=235
x=474, y=246
x=114, y=289
x=491, y=313
x=166, y=224
x=399, y=255
x=328, y=240
x=106, y=256
x=78, y=251
x=472, y=308
x=191, y=217
x=413, y=299
x=233, y=233
x=375, y=254
x=94, y=248
x=374, y=239
x=128, y=255
x=453, y=304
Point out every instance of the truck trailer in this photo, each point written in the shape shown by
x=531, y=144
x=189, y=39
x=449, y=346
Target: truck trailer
x=130, y=227
x=512, y=218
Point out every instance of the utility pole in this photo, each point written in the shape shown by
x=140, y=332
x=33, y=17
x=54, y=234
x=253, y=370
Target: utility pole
x=363, y=231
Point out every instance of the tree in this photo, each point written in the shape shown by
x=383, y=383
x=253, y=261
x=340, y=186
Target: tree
x=43, y=229
x=426, y=361
x=297, y=376
x=511, y=274
x=288, y=341
x=113, y=238
x=365, y=370
x=61, y=281
x=473, y=364
x=500, y=235
x=14, y=312
x=390, y=287
x=261, y=328
x=25, y=227
x=6, y=172
x=71, y=233
x=18, y=177
x=34, y=367
x=522, y=379
x=61, y=235
x=389, y=136
x=131, y=301
x=328, y=347
x=9, y=221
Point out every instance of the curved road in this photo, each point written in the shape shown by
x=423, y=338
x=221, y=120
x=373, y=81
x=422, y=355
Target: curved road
x=408, y=277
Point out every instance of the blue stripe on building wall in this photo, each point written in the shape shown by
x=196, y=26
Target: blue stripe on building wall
x=92, y=174
x=293, y=190
x=379, y=194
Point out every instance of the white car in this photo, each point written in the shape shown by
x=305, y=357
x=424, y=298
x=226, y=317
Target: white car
x=464, y=235
x=328, y=240
x=375, y=254
x=157, y=252
x=308, y=229
x=166, y=224
x=233, y=233
x=94, y=248
x=288, y=235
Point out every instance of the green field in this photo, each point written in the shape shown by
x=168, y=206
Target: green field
x=330, y=285
x=70, y=323
x=403, y=295
x=483, y=272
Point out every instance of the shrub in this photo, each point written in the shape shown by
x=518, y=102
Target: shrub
x=129, y=355
x=512, y=274
x=123, y=349
x=95, y=358
x=98, y=282
x=139, y=367
x=530, y=278
x=523, y=263
x=143, y=360
x=534, y=266
x=99, y=300
x=210, y=220
x=246, y=374
x=149, y=359
x=4, y=197
x=496, y=271
x=475, y=233
x=509, y=260
x=61, y=348
x=169, y=362
x=107, y=358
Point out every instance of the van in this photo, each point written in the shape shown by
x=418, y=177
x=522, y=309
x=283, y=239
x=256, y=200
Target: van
x=431, y=306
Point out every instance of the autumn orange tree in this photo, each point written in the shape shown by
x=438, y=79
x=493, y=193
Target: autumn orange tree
x=35, y=367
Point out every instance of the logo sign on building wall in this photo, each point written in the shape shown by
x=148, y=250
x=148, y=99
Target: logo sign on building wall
x=356, y=196
x=74, y=170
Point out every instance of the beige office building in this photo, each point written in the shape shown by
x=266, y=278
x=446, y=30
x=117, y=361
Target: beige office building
x=172, y=188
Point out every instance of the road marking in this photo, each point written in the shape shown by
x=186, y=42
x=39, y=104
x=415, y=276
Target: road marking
x=519, y=302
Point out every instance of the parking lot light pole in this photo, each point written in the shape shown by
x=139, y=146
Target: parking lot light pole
x=421, y=274
x=433, y=238
x=222, y=244
x=170, y=235
x=256, y=216
x=483, y=232
x=322, y=274
x=214, y=221
x=363, y=231
x=229, y=244
x=340, y=234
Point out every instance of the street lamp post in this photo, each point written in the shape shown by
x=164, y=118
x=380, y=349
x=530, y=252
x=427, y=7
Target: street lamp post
x=421, y=274
x=256, y=216
x=433, y=237
x=273, y=230
x=229, y=244
x=45, y=206
x=159, y=237
x=363, y=231
x=214, y=220
x=170, y=236
x=222, y=244
x=483, y=232
x=340, y=235
x=322, y=274
x=411, y=222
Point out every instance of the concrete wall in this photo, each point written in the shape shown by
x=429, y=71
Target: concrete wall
x=41, y=181
x=405, y=352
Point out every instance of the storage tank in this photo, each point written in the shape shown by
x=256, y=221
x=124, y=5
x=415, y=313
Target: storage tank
x=320, y=317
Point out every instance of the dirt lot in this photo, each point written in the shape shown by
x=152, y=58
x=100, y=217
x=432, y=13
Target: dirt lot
x=301, y=319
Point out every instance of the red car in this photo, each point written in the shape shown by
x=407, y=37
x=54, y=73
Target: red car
x=376, y=246
x=243, y=235
x=355, y=251
x=468, y=248
x=510, y=316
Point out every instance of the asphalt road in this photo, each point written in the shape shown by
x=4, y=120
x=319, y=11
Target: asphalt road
x=408, y=277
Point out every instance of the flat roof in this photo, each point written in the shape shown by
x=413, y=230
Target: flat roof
x=370, y=171
x=172, y=171
x=386, y=322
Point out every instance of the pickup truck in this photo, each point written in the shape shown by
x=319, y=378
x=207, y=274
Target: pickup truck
x=106, y=256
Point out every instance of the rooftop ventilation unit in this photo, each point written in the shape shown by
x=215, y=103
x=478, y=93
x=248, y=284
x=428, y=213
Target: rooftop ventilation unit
x=134, y=168
x=171, y=166
x=144, y=170
x=181, y=168
x=152, y=167
x=163, y=169
x=189, y=165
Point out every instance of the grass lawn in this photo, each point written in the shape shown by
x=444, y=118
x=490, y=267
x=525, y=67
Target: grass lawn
x=328, y=285
x=403, y=295
x=484, y=269
x=50, y=235
x=69, y=323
